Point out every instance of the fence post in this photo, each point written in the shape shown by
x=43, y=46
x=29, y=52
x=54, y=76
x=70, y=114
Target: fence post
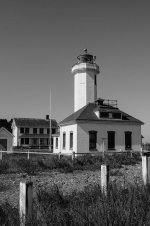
x=25, y=202
x=1, y=155
x=145, y=169
x=73, y=156
x=104, y=178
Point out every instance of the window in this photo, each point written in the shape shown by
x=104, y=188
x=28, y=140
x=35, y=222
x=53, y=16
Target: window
x=35, y=130
x=48, y=131
x=117, y=115
x=111, y=140
x=56, y=142
x=41, y=130
x=64, y=140
x=104, y=114
x=26, y=140
x=95, y=82
x=53, y=131
x=27, y=130
x=22, y=141
x=35, y=142
x=71, y=140
x=47, y=141
x=21, y=130
x=92, y=139
x=41, y=141
x=128, y=140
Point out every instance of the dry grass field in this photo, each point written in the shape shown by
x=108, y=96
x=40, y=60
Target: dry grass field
x=66, y=182
x=66, y=193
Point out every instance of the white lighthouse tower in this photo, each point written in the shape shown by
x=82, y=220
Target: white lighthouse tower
x=85, y=80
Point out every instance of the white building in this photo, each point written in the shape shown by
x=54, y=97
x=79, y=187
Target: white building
x=6, y=140
x=96, y=124
x=33, y=132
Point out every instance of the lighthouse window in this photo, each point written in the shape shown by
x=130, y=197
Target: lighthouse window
x=56, y=142
x=71, y=140
x=117, y=115
x=64, y=140
x=111, y=140
x=128, y=140
x=104, y=114
x=95, y=80
x=92, y=139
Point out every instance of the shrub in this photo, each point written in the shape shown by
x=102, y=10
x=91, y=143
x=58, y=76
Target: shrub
x=26, y=165
x=65, y=165
x=9, y=215
x=122, y=206
x=4, y=166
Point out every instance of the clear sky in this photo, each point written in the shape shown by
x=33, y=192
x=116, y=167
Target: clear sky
x=39, y=43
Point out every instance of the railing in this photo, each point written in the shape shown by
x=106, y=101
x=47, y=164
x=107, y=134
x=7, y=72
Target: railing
x=29, y=152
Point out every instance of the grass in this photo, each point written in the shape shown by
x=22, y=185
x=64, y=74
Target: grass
x=14, y=163
x=122, y=206
x=127, y=205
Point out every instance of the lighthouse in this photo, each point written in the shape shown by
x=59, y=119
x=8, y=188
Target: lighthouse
x=96, y=125
x=85, y=80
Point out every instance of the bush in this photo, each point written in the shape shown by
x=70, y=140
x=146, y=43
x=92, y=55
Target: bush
x=122, y=206
x=26, y=165
x=9, y=215
x=14, y=163
x=4, y=166
x=65, y=165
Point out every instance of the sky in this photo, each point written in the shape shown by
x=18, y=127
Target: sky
x=41, y=39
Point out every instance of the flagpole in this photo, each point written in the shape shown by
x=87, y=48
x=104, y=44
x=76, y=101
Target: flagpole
x=50, y=135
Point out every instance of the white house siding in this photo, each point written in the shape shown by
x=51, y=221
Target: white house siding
x=4, y=134
x=56, y=150
x=67, y=130
x=102, y=128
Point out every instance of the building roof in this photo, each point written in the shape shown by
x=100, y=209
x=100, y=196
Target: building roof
x=87, y=113
x=33, y=122
x=6, y=131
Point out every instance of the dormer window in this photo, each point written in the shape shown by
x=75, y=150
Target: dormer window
x=110, y=115
x=104, y=114
x=117, y=115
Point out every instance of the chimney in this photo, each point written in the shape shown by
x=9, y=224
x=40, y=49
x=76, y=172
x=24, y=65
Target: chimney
x=47, y=117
